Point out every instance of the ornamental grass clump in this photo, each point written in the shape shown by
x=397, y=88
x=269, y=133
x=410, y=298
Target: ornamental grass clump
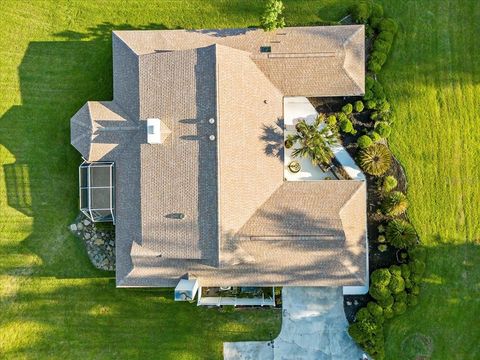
x=375, y=160
x=395, y=204
x=401, y=234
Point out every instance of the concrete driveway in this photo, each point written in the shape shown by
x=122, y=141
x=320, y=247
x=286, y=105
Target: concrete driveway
x=313, y=327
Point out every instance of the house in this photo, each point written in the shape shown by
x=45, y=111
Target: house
x=183, y=162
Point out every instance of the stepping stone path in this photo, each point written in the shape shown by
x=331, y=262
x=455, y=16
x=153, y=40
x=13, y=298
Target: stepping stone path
x=100, y=243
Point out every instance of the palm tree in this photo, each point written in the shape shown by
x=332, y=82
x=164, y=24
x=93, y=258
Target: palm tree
x=314, y=141
x=394, y=204
x=375, y=160
x=401, y=234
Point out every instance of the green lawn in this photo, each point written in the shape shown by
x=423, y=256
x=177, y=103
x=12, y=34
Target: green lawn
x=54, y=56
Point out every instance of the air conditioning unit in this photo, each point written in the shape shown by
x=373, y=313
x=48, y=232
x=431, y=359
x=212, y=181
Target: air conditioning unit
x=154, y=135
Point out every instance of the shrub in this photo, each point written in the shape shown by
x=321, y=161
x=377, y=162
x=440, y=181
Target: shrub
x=371, y=104
x=395, y=204
x=381, y=238
x=361, y=11
x=418, y=253
x=375, y=160
x=399, y=307
x=378, y=91
x=388, y=184
x=383, y=129
x=347, y=127
x=359, y=106
x=401, y=296
x=374, y=66
x=396, y=285
x=363, y=314
x=369, y=81
x=412, y=300
x=364, y=142
x=375, y=310
x=376, y=10
x=417, y=267
x=347, y=109
x=386, y=36
x=374, y=136
x=395, y=270
x=415, y=290
x=388, y=24
x=405, y=269
x=381, y=277
x=388, y=313
x=331, y=121
x=288, y=143
x=379, y=57
x=272, y=16
x=383, y=106
x=356, y=332
x=382, y=45
x=382, y=247
x=342, y=117
x=379, y=293
x=381, y=228
x=401, y=234
x=386, y=302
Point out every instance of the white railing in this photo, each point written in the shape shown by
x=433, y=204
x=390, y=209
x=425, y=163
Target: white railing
x=224, y=300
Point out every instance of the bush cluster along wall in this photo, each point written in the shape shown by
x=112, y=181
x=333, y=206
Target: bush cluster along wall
x=395, y=288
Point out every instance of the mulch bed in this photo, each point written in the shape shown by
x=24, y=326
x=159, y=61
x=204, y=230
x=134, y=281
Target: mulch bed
x=377, y=259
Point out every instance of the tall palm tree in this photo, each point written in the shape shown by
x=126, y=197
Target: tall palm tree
x=314, y=141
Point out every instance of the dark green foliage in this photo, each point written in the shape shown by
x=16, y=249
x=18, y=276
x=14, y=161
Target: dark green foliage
x=401, y=296
x=356, y=332
x=388, y=313
x=359, y=106
x=379, y=292
x=418, y=253
x=381, y=277
x=395, y=270
x=364, y=141
x=272, y=16
x=374, y=66
x=396, y=285
x=376, y=10
x=383, y=106
x=363, y=314
x=361, y=11
x=412, y=300
x=401, y=234
x=383, y=129
x=405, y=269
x=415, y=290
x=371, y=104
x=386, y=36
x=379, y=57
x=399, y=307
x=375, y=310
x=389, y=25
x=417, y=267
x=386, y=302
x=394, y=204
x=369, y=81
x=347, y=109
x=378, y=91
x=382, y=46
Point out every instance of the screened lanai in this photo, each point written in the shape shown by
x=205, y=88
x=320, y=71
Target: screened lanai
x=97, y=196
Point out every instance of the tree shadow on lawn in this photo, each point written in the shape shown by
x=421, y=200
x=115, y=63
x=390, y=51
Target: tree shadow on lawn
x=56, y=79
x=76, y=318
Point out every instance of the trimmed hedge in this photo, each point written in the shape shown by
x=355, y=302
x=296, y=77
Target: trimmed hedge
x=364, y=141
x=347, y=109
x=358, y=106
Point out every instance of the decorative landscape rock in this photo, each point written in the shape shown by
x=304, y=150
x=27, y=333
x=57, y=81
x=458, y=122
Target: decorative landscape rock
x=100, y=244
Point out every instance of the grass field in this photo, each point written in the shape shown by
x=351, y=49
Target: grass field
x=54, y=56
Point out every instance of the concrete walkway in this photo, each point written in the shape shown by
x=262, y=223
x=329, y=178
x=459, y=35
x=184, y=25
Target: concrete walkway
x=313, y=327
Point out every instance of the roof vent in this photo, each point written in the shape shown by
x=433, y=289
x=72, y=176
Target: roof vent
x=157, y=131
x=212, y=137
x=265, y=49
x=211, y=121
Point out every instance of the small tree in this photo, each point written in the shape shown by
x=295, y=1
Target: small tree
x=314, y=141
x=272, y=18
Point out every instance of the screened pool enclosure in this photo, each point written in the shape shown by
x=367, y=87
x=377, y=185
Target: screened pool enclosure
x=97, y=196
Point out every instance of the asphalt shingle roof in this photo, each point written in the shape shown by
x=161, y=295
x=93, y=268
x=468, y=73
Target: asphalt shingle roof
x=211, y=200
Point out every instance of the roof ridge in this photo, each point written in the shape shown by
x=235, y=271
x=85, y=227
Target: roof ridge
x=345, y=44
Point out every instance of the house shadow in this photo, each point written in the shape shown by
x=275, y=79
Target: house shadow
x=56, y=79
